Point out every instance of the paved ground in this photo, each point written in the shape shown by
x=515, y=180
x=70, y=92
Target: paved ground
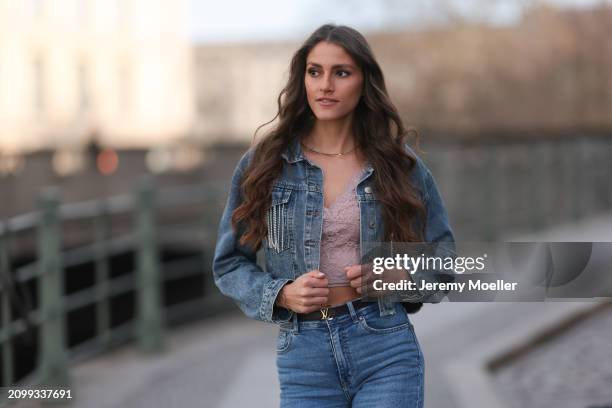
x=222, y=362
x=229, y=361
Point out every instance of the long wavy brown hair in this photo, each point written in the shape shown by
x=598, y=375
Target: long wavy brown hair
x=378, y=130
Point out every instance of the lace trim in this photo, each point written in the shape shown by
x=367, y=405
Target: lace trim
x=343, y=208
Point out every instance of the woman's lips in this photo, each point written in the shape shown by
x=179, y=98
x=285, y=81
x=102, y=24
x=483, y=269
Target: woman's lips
x=327, y=102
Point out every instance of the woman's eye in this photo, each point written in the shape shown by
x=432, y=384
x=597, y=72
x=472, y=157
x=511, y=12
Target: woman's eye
x=343, y=73
x=312, y=72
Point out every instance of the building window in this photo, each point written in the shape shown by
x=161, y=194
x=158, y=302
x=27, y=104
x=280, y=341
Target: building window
x=84, y=96
x=82, y=11
x=39, y=85
x=123, y=13
x=124, y=90
x=36, y=8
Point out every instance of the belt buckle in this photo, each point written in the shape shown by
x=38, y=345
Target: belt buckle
x=326, y=313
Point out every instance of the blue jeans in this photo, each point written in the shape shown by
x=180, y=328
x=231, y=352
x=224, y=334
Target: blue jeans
x=356, y=360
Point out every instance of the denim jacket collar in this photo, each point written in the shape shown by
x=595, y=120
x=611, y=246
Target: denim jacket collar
x=293, y=153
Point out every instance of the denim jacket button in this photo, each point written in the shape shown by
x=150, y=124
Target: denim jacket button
x=368, y=189
x=372, y=224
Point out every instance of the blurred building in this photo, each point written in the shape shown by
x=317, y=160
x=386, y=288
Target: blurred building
x=125, y=74
x=116, y=69
x=236, y=88
x=550, y=72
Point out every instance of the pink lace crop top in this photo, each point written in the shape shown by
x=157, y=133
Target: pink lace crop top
x=340, y=235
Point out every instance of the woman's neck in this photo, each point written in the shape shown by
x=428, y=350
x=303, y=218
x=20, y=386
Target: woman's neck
x=331, y=136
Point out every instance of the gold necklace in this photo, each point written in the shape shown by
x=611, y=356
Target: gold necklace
x=328, y=154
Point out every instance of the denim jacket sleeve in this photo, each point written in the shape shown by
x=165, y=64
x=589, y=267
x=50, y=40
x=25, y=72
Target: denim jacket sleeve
x=438, y=233
x=235, y=270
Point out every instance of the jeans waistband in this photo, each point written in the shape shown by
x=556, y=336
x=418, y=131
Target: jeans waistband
x=331, y=312
x=352, y=314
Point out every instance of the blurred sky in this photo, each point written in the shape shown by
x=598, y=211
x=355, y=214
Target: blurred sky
x=247, y=20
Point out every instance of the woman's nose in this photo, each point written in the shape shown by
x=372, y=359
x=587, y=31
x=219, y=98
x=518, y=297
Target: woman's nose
x=326, y=84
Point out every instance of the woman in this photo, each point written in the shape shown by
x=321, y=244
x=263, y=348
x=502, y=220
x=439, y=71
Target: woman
x=334, y=174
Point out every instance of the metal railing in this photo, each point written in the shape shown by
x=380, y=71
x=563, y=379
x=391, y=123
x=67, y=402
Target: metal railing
x=146, y=237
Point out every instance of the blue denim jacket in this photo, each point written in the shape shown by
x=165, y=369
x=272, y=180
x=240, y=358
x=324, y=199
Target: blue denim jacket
x=294, y=232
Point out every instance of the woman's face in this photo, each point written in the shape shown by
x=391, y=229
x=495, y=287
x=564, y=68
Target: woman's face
x=333, y=82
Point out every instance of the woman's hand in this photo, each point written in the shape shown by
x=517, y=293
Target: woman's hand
x=306, y=294
x=362, y=276
x=358, y=276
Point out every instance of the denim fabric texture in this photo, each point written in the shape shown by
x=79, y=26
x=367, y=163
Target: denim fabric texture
x=358, y=360
x=294, y=222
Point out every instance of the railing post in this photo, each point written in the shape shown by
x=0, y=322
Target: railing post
x=149, y=300
x=489, y=223
x=7, y=364
x=101, y=230
x=52, y=361
x=212, y=208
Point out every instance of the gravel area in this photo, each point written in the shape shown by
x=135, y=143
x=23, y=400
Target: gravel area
x=573, y=369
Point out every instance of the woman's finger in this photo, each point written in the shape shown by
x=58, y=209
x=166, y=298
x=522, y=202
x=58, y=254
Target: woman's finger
x=316, y=282
x=315, y=301
x=353, y=271
x=315, y=292
x=355, y=283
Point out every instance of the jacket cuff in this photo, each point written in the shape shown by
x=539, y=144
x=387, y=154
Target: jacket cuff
x=411, y=296
x=268, y=311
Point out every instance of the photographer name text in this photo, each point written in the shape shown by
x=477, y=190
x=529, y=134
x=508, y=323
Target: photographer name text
x=478, y=284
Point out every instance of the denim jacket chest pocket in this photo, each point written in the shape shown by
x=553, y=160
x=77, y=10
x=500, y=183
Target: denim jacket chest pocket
x=371, y=221
x=280, y=219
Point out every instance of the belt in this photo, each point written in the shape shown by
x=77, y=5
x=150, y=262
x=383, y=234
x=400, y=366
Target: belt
x=326, y=313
